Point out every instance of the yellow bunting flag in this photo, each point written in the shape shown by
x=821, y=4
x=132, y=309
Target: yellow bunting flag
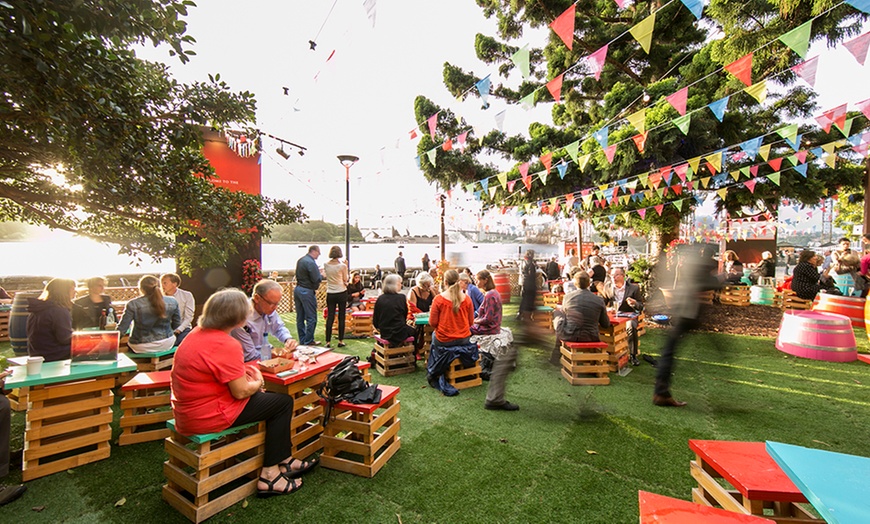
x=758, y=91
x=735, y=175
x=502, y=179
x=705, y=181
x=643, y=31
x=581, y=163
x=695, y=163
x=638, y=120
x=764, y=151
x=715, y=160
x=722, y=193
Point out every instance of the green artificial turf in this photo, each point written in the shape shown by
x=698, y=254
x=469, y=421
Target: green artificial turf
x=571, y=454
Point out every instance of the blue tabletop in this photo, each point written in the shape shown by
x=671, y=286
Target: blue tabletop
x=834, y=483
x=65, y=371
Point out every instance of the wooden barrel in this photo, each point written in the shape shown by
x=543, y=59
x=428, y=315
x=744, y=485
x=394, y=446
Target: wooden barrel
x=18, y=321
x=760, y=295
x=503, y=286
x=852, y=307
x=817, y=335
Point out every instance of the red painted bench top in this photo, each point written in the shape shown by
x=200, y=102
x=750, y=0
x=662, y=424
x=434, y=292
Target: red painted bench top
x=387, y=392
x=584, y=345
x=659, y=509
x=386, y=343
x=749, y=468
x=150, y=380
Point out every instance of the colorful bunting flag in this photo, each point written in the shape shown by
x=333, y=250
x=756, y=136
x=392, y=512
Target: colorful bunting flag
x=696, y=7
x=774, y=177
x=601, y=136
x=431, y=155
x=433, y=124
x=596, y=61
x=714, y=160
x=798, y=39
x=764, y=151
x=499, y=119
x=483, y=86
x=547, y=160
x=642, y=213
x=678, y=204
x=795, y=143
x=448, y=145
x=528, y=101
x=705, y=182
x=802, y=169
x=858, y=47
x=485, y=184
x=682, y=123
x=718, y=108
x=864, y=105
x=543, y=176
x=695, y=163
x=750, y=147
x=640, y=141
x=758, y=91
x=638, y=119
x=680, y=170
x=846, y=128
x=722, y=193
x=861, y=5
x=750, y=185
x=583, y=161
x=554, y=86
x=563, y=26
x=742, y=69
x=807, y=70
x=524, y=169
x=659, y=208
x=527, y=181
x=643, y=31
x=573, y=149
x=562, y=167
x=461, y=139
x=789, y=131
x=775, y=163
x=609, y=152
x=511, y=184
x=521, y=60
x=502, y=179
x=678, y=100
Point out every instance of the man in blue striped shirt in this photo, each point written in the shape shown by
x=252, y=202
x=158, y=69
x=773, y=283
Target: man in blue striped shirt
x=308, y=279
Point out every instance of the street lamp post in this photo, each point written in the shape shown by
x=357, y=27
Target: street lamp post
x=347, y=161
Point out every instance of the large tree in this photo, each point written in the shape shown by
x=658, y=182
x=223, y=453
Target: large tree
x=99, y=142
x=682, y=54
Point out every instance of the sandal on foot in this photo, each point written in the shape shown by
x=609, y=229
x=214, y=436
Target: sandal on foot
x=341, y=344
x=291, y=486
x=306, y=466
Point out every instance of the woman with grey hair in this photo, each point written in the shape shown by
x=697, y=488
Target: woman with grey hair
x=420, y=297
x=213, y=390
x=391, y=312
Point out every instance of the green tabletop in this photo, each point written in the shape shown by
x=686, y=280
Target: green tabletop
x=421, y=319
x=65, y=371
x=155, y=354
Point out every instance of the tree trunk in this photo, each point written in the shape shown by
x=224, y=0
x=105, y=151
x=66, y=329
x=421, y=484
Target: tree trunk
x=658, y=240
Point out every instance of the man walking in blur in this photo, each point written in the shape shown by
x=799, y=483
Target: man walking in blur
x=308, y=279
x=400, y=266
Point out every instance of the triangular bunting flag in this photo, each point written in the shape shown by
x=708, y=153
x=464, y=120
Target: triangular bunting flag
x=744, y=171
x=758, y=91
x=562, y=167
x=563, y=26
x=666, y=174
x=846, y=128
x=831, y=161
x=659, y=208
x=640, y=141
x=864, y=105
x=554, y=86
x=705, y=182
x=750, y=147
x=596, y=61
x=433, y=124
x=483, y=86
x=682, y=123
x=527, y=181
x=774, y=177
x=492, y=191
x=638, y=120
x=718, y=108
x=722, y=193
x=764, y=151
x=499, y=119
x=858, y=47
x=528, y=101
x=502, y=179
x=543, y=176
x=775, y=163
x=680, y=170
x=802, y=169
x=511, y=184
x=524, y=169
x=677, y=189
x=609, y=152
x=798, y=39
x=696, y=7
x=547, y=160
x=735, y=175
x=861, y=5
x=789, y=131
x=431, y=155
x=642, y=213
x=573, y=150
x=714, y=160
x=485, y=184
x=695, y=163
x=469, y=187
x=583, y=161
x=750, y=185
x=521, y=60
x=644, y=179
x=742, y=69
x=678, y=100
x=794, y=144
x=569, y=199
x=807, y=70
x=461, y=139
x=447, y=145
x=643, y=31
x=601, y=136
x=678, y=204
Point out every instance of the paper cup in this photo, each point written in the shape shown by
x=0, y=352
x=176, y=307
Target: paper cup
x=34, y=365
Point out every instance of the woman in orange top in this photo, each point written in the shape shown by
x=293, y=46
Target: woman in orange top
x=451, y=314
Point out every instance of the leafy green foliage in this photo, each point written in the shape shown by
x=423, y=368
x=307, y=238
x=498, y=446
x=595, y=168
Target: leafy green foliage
x=313, y=231
x=101, y=143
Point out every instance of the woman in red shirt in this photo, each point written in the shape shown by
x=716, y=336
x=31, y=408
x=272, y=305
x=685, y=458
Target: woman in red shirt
x=213, y=390
x=451, y=314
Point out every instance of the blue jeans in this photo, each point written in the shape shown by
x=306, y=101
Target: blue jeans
x=305, y=301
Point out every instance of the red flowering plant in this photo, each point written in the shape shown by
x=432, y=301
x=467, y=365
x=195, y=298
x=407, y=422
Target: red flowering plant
x=252, y=273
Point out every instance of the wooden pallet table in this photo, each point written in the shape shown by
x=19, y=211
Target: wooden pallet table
x=788, y=299
x=659, y=509
x=68, y=415
x=734, y=295
x=205, y=474
x=361, y=323
x=542, y=317
x=616, y=338
x=758, y=483
x=553, y=299
x=159, y=360
x=464, y=378
x=306, y=426
x=362, y=437
x=391, y=361
x=585, y=363
x=146, y=406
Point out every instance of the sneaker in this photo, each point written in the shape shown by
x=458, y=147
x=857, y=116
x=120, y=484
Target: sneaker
x=11, y=493
x=634, y=361
x=504, y=406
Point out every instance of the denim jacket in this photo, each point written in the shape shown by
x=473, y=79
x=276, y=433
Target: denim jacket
x=147, y=326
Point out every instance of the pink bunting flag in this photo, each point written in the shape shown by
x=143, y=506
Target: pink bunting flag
x=554, y=86
x=678, y=100
x=563, y=26
x=681, y=170
x=742, y=69
x=659, y=208
x=754, y=170
x=609, y=152
x=665, y=191
x=433, y=124
x=858, y=47
x=775, y=163
x=750, y=185
x=547, y=160
x=690, y=185
x=640, y=140
x=511, y=184
x=801, y=156
x=642, y=213
x=620, y=3
x=807, y=70
x=596, y=61
x=461, y=139
x=864, y=107
x=837, y=116
x=524, y=169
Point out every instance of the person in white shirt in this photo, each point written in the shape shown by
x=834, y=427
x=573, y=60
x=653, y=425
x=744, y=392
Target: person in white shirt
x=186, y=304
x=262, y=322
x=625, y=297
x=336, y=294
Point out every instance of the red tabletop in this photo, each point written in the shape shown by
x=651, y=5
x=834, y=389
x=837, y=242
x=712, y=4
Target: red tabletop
x=149, y=380
x=325, y=362
x=749, y=468
x=618, y=320
x=387, y=392
x=666, y=510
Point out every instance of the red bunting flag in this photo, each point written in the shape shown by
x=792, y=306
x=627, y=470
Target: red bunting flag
x=640, y=140
x=754, y=170
x=837, y=116
x=677, y=188
x=680, y=170
x=596, y=61
x=433, y=124
x=858, y=47
x=750, y=185
x=448, y=145
x=775, y=163
x=547, y=160
x=742, y=69
x=678, y=100
x=554, y=86
x=413, y=133
x=655, y=179
x=527, y=181
x=563, y=26
x=659, y=208
x=807, y=70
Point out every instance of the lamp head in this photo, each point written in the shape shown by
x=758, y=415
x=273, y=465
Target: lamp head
x=281, y=152
x=347, y=160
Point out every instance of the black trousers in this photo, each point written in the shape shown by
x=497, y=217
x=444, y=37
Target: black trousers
x=277, y=410
x=665, y=366
x=333, y=301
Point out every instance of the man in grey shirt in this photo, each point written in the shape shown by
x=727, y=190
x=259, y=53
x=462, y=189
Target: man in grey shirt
x=262, y=322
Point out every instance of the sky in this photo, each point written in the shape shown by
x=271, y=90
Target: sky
x=360, y=101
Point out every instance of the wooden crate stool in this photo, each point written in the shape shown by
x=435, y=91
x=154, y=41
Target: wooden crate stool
x=361, y=322
x=759, y=483
x=464, y=378
x=788, y=299
x=157, y=361
x=18, y=399
x=542, y=317
x=553, y=299
x=427, y=342
x=734, y=296
x=362, y=437
x=641, y=326
x=616, y=338
x=390, y=361
x=145, y=404
x=585, y=363
x=206, y=474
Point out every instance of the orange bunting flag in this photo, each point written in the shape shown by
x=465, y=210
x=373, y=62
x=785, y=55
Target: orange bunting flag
x=833, y=116
x=527, y=181
x=742, y=69
x=678, y=100
x=659, y=208
x=433, y=124
x=448, y=145
x=547, y=160
x=775, y=163
x=609, y=152
x=554, y=86
x=640, y=141
x=563, y=26
x=569, y=199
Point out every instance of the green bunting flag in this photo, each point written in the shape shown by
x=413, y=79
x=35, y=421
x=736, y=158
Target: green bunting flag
x=521, y=60
x=643, y=31
x=528, y=101
x=846, y=128
x=431, y=155
x=798, y=39
x=678, y=204
x=788, y=132
x=774, y=177
x=543, y=176
x=644, y=179
x=573, y=150
x=469, y=187
x=683, y=122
